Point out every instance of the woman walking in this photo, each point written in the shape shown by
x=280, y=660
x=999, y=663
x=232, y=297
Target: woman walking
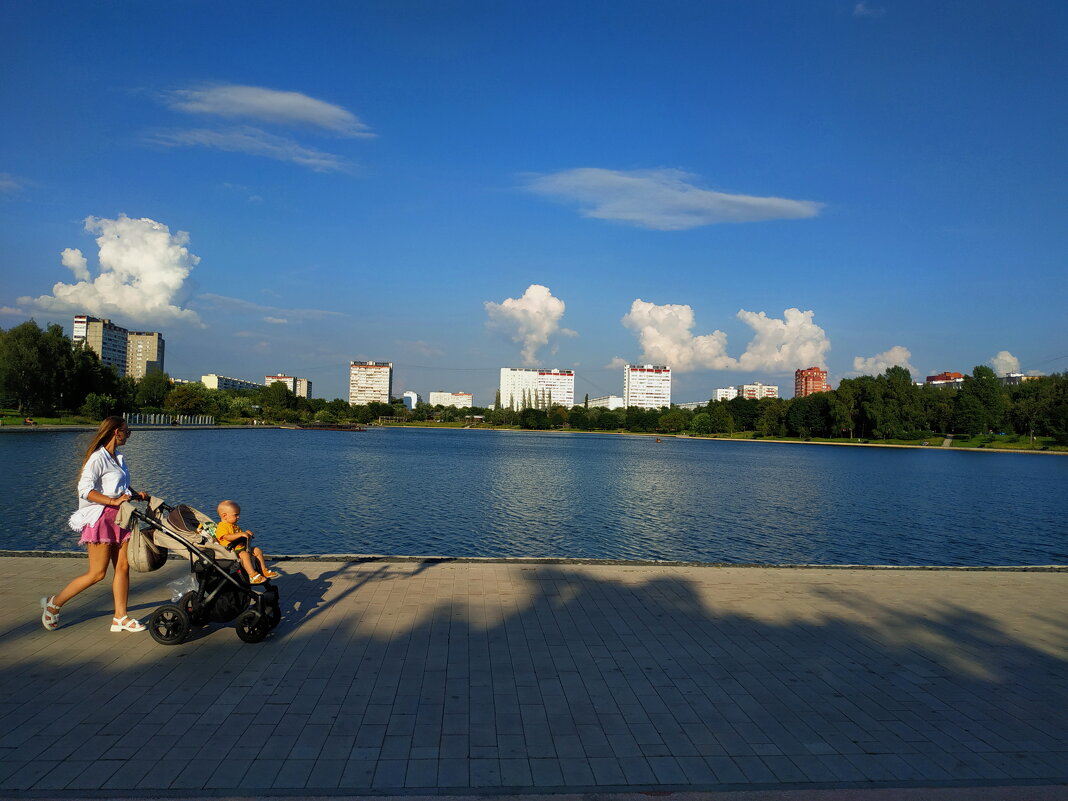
x=103, y=486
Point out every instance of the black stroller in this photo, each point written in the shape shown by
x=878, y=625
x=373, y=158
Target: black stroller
x=222, y=590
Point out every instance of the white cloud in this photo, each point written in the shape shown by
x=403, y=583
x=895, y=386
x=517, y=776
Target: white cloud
x=783, y=345
x=1004, y=363
x=10, y=311
x=254, y=142
x=897, y=356
x=271, y=314
x=664, y=200
x=665, y=334
x=8, y=183
x=862, y=9
x=268, y=105
x=143, y=268
x=530, y=320
x=73, y=259
x=275, y=320
x=616, y=362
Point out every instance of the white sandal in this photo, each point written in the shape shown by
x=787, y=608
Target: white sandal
x=126, y=623
x=50, y=620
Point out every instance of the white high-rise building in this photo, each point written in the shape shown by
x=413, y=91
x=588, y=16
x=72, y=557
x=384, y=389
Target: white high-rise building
x=726, y=393
x=607, y=402
x=301, y=387
x=536, y=387
x=411, y=399
x=647, y=386
x=461, y=400
x=216, y=381
x=370, y=382
x=757, y=390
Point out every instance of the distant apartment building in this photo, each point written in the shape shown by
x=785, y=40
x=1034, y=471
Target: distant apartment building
x=370, y=382
x=536, y=387
x=945, y=379
x=726, y=393
x=132, y=353
x=810, y=381
x=144, y=353
x=1012, y=379
x=301, y=387
x=215, y=381
x=692, y=405
x=459, y=400
x=607, y=402
x=647, y=386
x=411, y=399
x=757, y=390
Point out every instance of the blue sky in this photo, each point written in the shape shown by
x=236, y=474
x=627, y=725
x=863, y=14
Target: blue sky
x=736, y=188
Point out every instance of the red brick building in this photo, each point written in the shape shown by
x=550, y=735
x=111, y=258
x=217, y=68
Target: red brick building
x=807, y=382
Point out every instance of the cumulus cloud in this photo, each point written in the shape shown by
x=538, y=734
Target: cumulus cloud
x=254, y=142
x=143, y=269
x=897, y=356
x=530, y=320
x=1004, y=363
x=665, y=200
x=783, y=345
x=73, y=259
x=616, y=362
x=268, y=105
x=666, y=336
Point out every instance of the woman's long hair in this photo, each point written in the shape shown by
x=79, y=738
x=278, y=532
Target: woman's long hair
x=103, y=435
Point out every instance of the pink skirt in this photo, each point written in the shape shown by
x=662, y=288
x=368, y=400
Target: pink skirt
x=105, y=530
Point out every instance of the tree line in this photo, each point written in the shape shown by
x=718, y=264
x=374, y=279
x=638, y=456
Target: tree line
x=43, y=372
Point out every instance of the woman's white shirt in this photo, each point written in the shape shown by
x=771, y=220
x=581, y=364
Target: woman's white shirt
x=107, y=475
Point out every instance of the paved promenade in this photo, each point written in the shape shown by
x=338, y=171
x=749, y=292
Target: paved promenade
x=455, y=678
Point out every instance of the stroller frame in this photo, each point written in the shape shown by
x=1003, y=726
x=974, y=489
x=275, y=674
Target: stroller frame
x=222, y=593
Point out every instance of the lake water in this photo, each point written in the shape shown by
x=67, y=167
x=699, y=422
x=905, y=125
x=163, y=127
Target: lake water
x=500, y=493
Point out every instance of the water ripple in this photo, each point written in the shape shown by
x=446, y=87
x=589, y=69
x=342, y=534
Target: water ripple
x=496, y=494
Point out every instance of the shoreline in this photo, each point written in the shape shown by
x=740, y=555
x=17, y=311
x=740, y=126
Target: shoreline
x=42, y=428
x=563, y=560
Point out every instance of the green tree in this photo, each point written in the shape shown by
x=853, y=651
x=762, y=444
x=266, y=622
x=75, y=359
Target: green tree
x=673, y=420
x=969, y=416
x=152, y=390
x=771, y=422
x=721, y=419
x=843, y=407
x=537, y=419
x=701, y=424
x=579, y=417
x=97, y=407
x=25, y=374
x=188, y=399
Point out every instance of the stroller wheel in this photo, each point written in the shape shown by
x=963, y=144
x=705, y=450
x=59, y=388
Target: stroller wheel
x=252, y=626
x=273, y=615
x=188, y=603
x=169, y=625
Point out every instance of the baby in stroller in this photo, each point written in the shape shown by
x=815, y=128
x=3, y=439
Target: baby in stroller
x=231, y=536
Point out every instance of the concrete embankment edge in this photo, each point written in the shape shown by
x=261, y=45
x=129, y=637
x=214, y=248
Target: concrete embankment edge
x=523, y=560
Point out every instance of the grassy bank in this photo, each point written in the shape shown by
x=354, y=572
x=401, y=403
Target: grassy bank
x=1009, y=442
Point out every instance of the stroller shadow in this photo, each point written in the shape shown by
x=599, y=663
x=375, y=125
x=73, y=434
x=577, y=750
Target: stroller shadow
x=304, y=597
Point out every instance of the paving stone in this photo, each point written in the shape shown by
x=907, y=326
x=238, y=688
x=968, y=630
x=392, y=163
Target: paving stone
x=594, y=672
